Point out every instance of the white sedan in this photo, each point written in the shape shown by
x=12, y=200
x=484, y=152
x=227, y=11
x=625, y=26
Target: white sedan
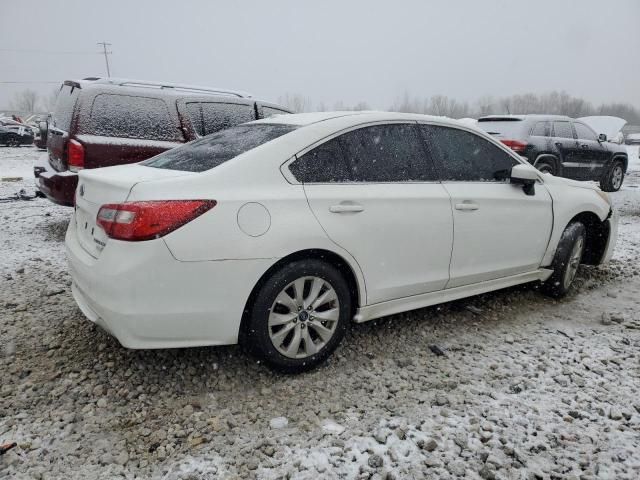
x=278, y=233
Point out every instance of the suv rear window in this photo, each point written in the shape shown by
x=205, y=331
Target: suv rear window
x=213, y=150
x=507, y=128
x=63, y=110
x=129, y=116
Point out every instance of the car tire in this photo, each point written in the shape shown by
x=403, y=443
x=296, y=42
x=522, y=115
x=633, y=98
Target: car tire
x=289, y=330
x=546, y=166
x=612, y=180
x=566, y=260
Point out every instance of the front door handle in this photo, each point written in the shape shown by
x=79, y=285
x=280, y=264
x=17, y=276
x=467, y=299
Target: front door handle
x=467, y=206
x=346, y=208
x=584, y=146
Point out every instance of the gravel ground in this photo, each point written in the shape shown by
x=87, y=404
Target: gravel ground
x=509, y=385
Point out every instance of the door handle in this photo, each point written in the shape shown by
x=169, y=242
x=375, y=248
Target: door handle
x=346, y=208
x=559, y=144
x=584, y=146
x=467, y=206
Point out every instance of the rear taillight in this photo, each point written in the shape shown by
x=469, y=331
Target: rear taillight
x=136, y=221
x=515, y=145
x=75, y=155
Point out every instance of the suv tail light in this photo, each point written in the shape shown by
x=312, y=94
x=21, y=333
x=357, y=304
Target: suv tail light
x=136, y=221
x=515, y=145
x=75, y=155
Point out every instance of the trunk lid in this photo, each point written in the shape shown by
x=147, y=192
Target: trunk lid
x=98, y=187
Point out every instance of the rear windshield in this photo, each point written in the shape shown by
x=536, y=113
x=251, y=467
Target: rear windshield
x=502, y=128
x=63, y=110
x=213, y=150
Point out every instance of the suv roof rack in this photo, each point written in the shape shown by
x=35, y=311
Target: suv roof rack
x=127, y=82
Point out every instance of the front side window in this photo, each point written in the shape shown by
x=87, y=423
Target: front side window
x=381, y=153
x=585, y=133
x=270, y=112
x=562, y=130
x=195, y=115
x=129, y=116
x=465, y=156
x=213, y=150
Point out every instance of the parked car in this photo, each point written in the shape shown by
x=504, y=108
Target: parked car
x=279, y=232
x=103, y=122
x=561, y=146
x=632, y=139
x=14, y=134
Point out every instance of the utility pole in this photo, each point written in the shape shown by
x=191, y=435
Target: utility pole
x=106, y=58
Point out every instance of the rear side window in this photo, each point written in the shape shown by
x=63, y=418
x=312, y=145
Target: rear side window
x=324, y=164
x=129, y=116
x=584, y=132
x=381, y=153
x=218, y=116
x=562, y=130
x=464, y=156
x=213, y=150
x=195, y=114
x=541, y=129
x=65, y=104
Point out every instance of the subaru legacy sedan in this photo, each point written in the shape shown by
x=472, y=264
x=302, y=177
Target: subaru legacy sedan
x=279, y=233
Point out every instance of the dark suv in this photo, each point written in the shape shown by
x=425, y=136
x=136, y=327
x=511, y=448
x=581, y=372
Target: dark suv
x=561, y=146
x=102, y=122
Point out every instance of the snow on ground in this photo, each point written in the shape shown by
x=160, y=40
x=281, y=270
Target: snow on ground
x=529, y=387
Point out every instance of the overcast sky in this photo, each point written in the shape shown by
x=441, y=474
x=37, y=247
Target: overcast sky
x=328, y=51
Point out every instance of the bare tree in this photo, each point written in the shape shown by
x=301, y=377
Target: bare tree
x=25, y=101
x=296, y=102
x=49, y=101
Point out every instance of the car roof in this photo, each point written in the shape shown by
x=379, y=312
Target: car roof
x=533, y=116
x=162, y=88
x=303, y=119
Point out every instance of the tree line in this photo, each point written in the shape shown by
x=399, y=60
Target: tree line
x=558, y=103
x=553, y=103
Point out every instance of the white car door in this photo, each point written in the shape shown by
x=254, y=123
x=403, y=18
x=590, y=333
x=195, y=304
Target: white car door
x=499, y=230
x=374, y=191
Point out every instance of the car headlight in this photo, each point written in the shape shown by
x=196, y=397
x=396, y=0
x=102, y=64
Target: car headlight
x=604, y=196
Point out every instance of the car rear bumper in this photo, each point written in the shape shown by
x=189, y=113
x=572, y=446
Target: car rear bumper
x=612, y=221
x=59, y=187
x=143, y=296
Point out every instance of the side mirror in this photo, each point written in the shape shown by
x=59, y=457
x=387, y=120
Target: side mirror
x=526, y=176
x=602, y=137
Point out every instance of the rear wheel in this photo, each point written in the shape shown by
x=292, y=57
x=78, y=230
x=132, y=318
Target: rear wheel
x=566, y=260
x=546, y=166
x=612, y=180
x=299, y=316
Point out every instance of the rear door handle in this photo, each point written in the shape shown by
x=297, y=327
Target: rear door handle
x=467, y=206
x=585, y=146
x=346, y=208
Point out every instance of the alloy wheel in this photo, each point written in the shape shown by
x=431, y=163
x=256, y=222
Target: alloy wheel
x=574, y=262
x=304, y=317
x=616, y=177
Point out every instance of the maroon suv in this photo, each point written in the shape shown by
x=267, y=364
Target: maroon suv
x=103, y=122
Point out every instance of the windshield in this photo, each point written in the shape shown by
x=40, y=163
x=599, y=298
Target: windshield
x=215, y=149
x=502, y=128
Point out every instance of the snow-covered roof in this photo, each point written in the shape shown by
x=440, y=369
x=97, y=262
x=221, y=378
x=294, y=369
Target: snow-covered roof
x=303, y=119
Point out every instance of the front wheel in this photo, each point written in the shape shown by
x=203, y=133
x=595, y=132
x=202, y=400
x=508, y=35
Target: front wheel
x=612, y=180
x=299, y=316
x=566, y=260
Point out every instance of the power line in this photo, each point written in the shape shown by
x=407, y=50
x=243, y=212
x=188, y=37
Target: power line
x=106, y=58
x=48, y=52
x=19, y=82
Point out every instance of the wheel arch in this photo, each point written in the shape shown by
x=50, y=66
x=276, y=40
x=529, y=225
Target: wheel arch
x=356, y=289
x=622, y=157
x=597, y=237
x=551, y=157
